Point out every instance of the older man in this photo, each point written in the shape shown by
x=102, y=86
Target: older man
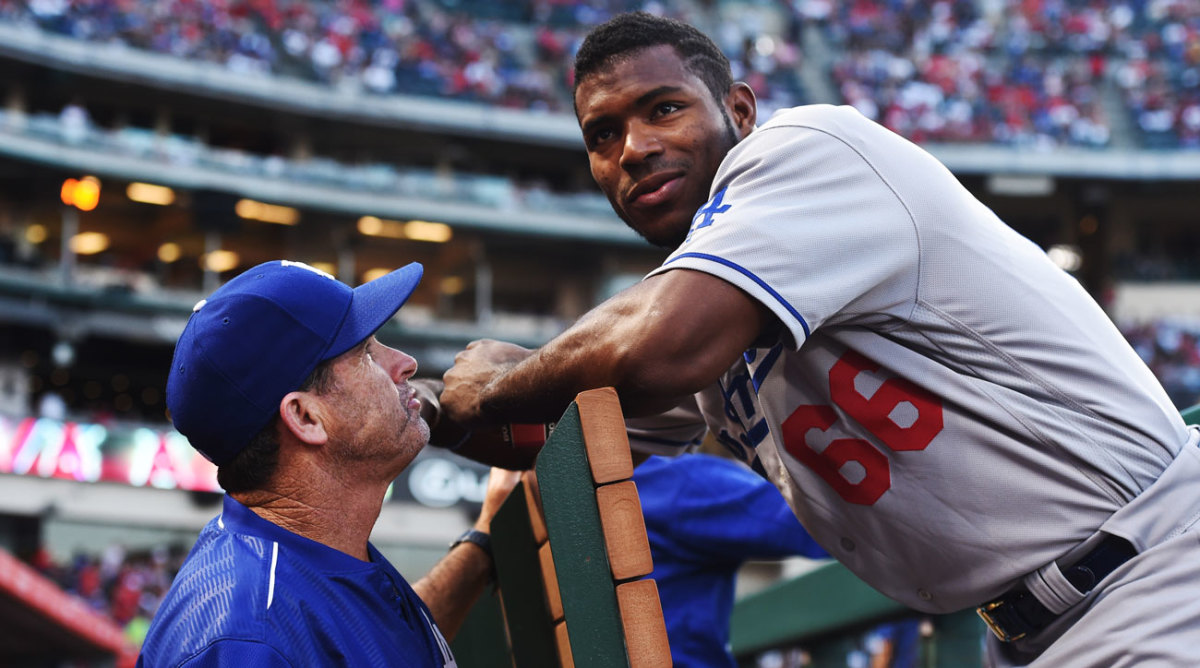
x=278, y=380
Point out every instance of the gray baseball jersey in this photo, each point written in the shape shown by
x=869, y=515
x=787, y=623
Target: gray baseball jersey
x=948, y=412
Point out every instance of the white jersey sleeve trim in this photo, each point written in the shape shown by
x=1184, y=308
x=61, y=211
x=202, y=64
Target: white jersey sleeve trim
x=796, y=318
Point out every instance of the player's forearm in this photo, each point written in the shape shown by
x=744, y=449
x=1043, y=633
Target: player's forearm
x=606, y=349
x=453, y=584
x=656, y=342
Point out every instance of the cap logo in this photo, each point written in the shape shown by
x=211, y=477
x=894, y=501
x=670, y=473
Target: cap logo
x=290, y=263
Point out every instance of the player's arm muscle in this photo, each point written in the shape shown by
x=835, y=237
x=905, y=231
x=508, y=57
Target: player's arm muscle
x=666, y=337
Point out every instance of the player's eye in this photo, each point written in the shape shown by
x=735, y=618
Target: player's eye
x=600, y=136
x=666, y=108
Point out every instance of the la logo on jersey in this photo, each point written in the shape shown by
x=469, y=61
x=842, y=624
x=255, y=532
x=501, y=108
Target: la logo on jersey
x=705, y=216
x=292, y=263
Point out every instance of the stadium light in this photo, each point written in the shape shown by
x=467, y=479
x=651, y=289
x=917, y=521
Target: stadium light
x=423, y=230
x=89, y=243
x=375, y=227
x=1088, y=225
x=169, y=252
x=452, y=285
x=327, y=267
x=417, y=230
x=219, y=260
x=266, y=213
x=1065, y=257
x=83, y=194
x=374, y=273
x=36, y=233
x=148, y=193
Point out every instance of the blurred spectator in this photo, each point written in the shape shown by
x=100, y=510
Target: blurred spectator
x=75, y=123
x=126, y=586
x=52, y=406
x=895, y=644
x=1172, y=351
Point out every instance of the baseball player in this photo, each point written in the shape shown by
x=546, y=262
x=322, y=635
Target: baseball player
x=279, y=381
x=947, y=413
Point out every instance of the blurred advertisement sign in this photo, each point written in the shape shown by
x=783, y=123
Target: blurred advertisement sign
x=88, y=452
x=147, y=457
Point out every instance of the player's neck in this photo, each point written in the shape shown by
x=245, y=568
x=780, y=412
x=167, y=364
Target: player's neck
x=341, y=519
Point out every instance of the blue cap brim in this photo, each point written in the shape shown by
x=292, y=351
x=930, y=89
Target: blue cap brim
x=374, y=303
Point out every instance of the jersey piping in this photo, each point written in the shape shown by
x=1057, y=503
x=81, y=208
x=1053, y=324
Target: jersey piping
x=751, y=275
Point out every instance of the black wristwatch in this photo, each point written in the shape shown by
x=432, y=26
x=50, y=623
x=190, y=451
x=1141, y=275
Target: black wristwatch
x=484, y=541
x=476, y=536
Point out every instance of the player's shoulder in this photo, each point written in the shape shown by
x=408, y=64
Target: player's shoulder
x=219, y=594
x=827, y=117
x=811, y=131
x=224, y=561
x=830, y=136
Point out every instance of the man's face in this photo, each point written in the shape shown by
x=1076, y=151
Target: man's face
x=655, y=138
x=376, y=416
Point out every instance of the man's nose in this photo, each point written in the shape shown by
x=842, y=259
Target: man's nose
x=401, y=365
x=641, y=142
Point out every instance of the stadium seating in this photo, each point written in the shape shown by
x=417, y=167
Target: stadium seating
x=1013, y=73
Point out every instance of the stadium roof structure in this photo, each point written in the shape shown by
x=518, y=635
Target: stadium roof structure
x=99, y=160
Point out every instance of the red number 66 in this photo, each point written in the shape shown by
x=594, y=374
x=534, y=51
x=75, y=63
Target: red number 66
x=874, y=415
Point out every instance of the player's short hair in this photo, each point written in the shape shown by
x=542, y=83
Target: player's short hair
x=626, y=34
x=253, y=467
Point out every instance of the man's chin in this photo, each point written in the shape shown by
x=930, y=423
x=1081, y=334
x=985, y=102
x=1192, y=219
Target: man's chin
x=664, y=239
x=664, y=235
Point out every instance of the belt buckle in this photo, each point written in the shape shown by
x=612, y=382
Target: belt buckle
x=986, y=613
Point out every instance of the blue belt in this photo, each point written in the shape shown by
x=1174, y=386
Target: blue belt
x=1018, y=613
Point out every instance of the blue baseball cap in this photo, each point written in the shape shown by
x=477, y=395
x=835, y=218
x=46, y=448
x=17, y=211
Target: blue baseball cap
x=258, y=337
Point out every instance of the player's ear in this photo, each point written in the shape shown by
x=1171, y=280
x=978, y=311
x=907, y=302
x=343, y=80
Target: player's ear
x=303, y=414
x=742, y=108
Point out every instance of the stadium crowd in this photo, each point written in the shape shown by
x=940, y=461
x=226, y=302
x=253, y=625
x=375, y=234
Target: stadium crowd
x=506, y=54
x=942, y=71
x=122, y=584
x=1171, y=349
x=1016, y=72
x=1023, y=73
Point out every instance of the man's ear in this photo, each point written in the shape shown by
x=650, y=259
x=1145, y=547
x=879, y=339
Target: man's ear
x=303, y=414
x=742, y=108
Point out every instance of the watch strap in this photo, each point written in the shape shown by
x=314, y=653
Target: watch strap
x=480, y=538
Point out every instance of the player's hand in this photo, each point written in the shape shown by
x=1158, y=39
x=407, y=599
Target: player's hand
x=427, y=390
x=500, y=483
x=473, y=369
